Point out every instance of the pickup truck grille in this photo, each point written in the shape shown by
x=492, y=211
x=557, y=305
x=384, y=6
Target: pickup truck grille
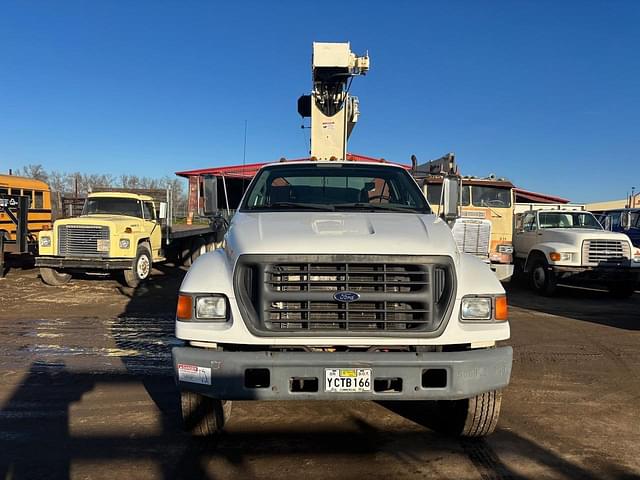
x=285, y=295
x=83, y=241
x=473, y=236
x=595, y=252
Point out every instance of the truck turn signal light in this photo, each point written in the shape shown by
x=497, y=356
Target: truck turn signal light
x=502, y=311
x=185, y=307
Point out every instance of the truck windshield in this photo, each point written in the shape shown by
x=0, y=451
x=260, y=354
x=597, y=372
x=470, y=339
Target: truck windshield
x=490, y=197
x=569, y=220
x=112, y=206
x=334, y=187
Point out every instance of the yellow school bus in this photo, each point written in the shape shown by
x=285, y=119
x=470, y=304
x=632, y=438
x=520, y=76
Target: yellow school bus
x=485, y=227
x=39, y=214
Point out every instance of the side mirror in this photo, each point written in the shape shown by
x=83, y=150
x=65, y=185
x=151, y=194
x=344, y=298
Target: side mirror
x=451, y=194
x=625, y=220
x=162, y=213
x=210, y=191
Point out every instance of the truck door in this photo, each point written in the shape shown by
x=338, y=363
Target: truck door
x=526, y=234
x=152, y=225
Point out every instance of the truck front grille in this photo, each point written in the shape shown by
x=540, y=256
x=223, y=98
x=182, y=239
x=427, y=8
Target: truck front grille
x=284, y=295
x=83, y=241
x=595, y=252
x=473, y=236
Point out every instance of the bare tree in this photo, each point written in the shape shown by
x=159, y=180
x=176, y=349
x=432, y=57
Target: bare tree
x=35, y=171
x=67, y=182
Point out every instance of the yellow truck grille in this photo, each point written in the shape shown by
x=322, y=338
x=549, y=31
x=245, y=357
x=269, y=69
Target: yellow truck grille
x=83, y=241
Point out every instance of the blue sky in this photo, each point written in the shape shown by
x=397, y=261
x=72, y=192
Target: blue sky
x=545, y=93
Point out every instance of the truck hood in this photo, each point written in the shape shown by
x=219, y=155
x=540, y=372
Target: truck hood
x=339, y=233
x=116, y=223
x=577, y=235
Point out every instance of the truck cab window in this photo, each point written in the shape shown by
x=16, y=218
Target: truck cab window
x=569, y=220
x=491, y=197
x=334, y=187
x=434, y=193
x=112, y=206
x=149, y=212
x=529, y=223
x=466, y=196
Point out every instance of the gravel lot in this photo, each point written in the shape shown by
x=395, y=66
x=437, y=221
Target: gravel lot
x=86, y=392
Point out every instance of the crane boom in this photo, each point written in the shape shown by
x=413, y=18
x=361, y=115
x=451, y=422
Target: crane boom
x=333, y=111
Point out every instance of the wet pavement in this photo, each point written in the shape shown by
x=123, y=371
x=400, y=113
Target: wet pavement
x=86, y=391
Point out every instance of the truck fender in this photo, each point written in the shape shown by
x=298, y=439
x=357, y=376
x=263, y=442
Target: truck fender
x=544, y=249
x=210, y=273
x=475, y=277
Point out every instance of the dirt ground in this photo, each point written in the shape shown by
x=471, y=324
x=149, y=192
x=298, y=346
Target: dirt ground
x=86, y=391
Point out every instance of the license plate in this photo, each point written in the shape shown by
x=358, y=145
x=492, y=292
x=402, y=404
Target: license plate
x=102, y=246
x=347, y=380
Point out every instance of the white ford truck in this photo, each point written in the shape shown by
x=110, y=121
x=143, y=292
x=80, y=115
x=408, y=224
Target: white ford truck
x=571, y=246
x=336, y=281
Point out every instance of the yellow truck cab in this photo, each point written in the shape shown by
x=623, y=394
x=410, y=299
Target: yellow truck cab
x=116, y=231
x=122, y=231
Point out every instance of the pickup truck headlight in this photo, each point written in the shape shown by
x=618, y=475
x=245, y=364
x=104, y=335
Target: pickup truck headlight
x=636, y=255
x=45, y=241
x=484, y=308
x=560, y=256
x=124, y=243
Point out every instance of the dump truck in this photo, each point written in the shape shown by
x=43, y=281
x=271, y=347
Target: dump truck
x=337, y=281
x=121, y=232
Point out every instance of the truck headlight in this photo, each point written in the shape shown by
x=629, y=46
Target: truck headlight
x=560, y=256
x=46, y=241
x=476, y=308
x=505, y=249
x=212, y=307
x=636, y=255
x=484, y=308
x=124, y=243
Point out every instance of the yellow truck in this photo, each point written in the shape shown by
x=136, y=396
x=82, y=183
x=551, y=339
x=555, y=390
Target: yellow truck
x=124, y=233
x=485, y=226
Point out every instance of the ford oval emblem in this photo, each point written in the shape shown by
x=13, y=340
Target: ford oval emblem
x=346, y=297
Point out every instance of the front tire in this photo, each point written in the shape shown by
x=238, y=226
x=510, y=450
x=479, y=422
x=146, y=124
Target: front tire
x=141, y=267
x=541, y=278
x=53, y=277
x=204, y=416
x=472, y=417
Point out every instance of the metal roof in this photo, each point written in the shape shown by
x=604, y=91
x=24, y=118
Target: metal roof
x=249, y=170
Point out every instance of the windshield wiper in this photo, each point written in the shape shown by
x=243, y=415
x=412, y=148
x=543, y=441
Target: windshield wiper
x=307, y=206
x=377, y=206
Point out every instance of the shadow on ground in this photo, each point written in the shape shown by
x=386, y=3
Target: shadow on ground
x=584, y=304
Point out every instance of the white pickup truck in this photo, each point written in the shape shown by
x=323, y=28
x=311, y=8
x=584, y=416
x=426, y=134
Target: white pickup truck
x=568, y=245
x=336, y=281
